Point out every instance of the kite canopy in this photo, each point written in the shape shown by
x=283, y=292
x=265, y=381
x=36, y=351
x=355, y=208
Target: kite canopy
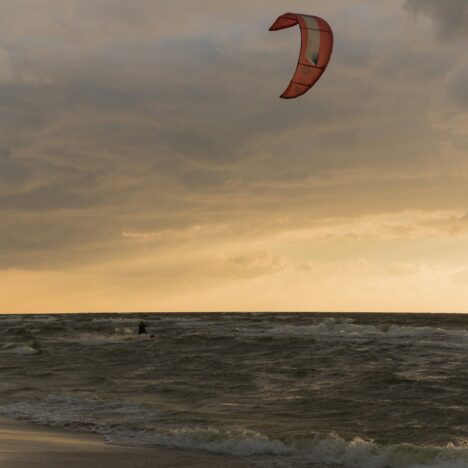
x=316, y=50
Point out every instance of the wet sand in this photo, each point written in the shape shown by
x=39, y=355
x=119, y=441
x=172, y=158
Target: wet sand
x=28, y=446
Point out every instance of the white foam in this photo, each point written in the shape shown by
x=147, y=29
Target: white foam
x=319, y=450
x=238, y=442
x=97, y=339
x=30, y=348
x=346, y=328
x=359, y=453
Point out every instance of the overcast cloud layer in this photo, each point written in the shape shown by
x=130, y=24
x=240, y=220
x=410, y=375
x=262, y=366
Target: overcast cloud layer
x=451, y=17
x=146, y=162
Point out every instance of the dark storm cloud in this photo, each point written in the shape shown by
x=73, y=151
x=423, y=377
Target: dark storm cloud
x=450, y=16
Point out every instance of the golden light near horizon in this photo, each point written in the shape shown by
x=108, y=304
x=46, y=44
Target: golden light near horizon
x=147, y=164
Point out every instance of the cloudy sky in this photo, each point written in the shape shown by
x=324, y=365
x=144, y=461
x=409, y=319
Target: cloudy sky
x=147, y=163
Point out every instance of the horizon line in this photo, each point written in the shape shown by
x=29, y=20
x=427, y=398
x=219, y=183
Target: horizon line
x=234, y=312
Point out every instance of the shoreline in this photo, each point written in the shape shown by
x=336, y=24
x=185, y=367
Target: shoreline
x=25, y=445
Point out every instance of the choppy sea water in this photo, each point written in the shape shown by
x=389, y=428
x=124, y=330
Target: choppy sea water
x=279, y=390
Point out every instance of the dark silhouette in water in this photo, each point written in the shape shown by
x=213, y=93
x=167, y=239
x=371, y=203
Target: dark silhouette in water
x=142, y=328
x=36, y=346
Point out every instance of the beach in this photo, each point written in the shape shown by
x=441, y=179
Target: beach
x=24, y=445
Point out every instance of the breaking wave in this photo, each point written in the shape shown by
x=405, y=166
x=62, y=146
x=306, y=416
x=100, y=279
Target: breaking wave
x=30, y=348
x=325, y=450
x=346, y=328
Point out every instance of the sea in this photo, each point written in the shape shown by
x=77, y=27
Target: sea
x=272, y=390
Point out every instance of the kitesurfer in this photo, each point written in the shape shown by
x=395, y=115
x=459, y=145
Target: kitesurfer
x=142, y=328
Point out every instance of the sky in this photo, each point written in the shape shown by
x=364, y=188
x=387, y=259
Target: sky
x=147, y=163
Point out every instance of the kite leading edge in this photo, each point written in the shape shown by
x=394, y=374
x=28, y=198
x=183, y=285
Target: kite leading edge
x=316, y=50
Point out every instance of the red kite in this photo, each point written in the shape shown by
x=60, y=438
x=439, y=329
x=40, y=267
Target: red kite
x=316, y=50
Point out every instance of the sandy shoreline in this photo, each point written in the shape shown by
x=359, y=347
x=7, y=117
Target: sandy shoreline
x=24, y=445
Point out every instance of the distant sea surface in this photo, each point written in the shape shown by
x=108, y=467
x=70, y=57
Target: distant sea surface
x=279, y=390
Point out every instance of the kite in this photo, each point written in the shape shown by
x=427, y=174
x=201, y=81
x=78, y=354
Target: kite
x=316, y=50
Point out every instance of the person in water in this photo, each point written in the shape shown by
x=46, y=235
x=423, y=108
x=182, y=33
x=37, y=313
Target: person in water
x=142, y=328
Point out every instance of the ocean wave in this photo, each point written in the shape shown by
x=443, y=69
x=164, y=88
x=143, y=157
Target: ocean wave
x=116, y=320
x=238, y=442
x=98, y=339
x=30, y=348
x=360, y=453
x=314, y=449
x=321, y=450
x=329, y=328
x=346, y=328
x=77, y=412
x=9, y=387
